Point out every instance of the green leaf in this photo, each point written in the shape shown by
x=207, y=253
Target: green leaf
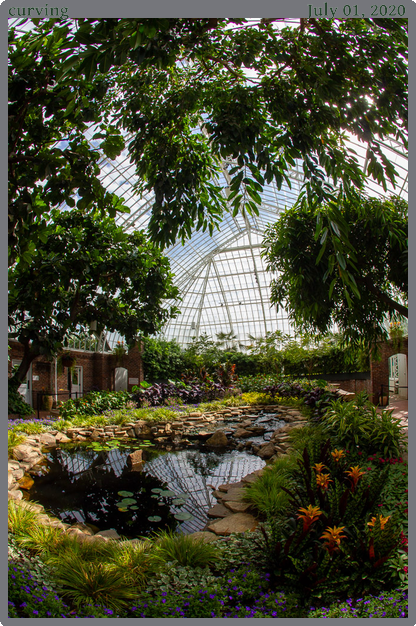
x=183, y=516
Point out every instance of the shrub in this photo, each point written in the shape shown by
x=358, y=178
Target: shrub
x=337, y=540
x=95, y=403
x=159, y=393
x=388, y=604
x=254, y=397
x=20, y=519
x=357, y=424
x=313, y=394
x=184, y=549
x=266, y=494
x=93, y=582
x=17, y=406
x=257, y=383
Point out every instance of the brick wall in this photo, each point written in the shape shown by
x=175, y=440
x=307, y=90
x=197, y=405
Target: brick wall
x=97, y=369
x=379, y=366
x=355, y=386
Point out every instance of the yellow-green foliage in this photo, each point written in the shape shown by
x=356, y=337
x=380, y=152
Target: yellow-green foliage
x=13, y=440
x=253, y=397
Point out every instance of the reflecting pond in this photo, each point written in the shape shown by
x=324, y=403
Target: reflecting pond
x=168, y=490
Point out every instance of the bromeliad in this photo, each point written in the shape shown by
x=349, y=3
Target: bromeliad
x=311, y=514
x=354, y=473
x=318, y=467
x=337, y=454
x=323, y=480
x=333, y=538
x=383, y=521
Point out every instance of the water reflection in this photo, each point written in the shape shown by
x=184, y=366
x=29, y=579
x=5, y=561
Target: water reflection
x=83, y=484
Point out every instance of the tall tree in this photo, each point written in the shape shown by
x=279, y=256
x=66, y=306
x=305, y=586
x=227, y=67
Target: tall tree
x=87, y=270
x=353, y=274
x=193, y=94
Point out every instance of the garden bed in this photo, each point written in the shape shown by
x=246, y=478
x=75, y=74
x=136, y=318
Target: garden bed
x=220, y=573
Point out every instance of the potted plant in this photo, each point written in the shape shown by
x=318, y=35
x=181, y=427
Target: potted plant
x=66, y=360
x=396, y=333
x=119, y=351
x=47, y=400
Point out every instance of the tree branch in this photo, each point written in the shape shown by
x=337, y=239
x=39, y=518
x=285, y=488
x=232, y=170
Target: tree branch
x=366, y=281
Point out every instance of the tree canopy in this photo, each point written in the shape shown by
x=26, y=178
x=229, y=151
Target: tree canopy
x=213, y=109
x=352, y=272
x=87, y=270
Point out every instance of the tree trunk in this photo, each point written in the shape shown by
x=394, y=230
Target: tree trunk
x=28, y=357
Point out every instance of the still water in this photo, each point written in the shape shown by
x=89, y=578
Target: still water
x=169, y=490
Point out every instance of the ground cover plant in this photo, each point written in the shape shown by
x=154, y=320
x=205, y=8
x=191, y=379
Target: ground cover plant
x=333, y=534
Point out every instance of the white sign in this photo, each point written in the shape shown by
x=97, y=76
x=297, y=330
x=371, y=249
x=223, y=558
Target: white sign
x=35, y=377
x=133, y=381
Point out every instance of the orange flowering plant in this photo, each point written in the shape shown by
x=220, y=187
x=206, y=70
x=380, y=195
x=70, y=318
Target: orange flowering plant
x=319, y=467
x=354, y=473
x=383, y=521
x=310, y=515
x=333, y=538
x=323, y=480
x=337, y=455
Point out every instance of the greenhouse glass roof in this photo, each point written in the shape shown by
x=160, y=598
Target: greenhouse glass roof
x=222, y=278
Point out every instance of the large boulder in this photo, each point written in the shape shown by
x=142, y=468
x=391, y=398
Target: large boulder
x=143, y=430
x=242, y=433
x=237, y=506
x=218, y=510
x=46, y=439
x=266, y=451
x=234, y=523
x=61, y=438
x=26, y=482
x=206, y=536
x=218, y=439
x=26, y=453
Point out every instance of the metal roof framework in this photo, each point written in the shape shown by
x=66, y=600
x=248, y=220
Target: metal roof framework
x=222, y=278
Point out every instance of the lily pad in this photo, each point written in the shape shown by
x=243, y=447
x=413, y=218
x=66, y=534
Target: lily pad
x=167, y=493
x=156, y=490
x=183, y=496
x=128, y=501
x=125, y=494
x=134, y=507
x=154, y=518
x=178, y=501
x=123, y=510
x=183, y=516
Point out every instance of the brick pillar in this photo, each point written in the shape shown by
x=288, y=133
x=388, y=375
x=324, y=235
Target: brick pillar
x=133, y=363
x=379, y=367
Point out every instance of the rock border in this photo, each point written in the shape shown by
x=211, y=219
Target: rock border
x=233, y=517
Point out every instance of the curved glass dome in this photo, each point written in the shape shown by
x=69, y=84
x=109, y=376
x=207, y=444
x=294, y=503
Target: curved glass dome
x=222, y=278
